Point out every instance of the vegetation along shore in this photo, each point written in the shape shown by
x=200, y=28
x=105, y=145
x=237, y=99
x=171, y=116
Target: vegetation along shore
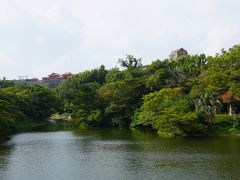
x=189, y=95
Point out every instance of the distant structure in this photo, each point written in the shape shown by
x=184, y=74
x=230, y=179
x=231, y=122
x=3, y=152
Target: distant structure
x=57, y=77
x=52, y=80
x=177, y=53
x=67, y=75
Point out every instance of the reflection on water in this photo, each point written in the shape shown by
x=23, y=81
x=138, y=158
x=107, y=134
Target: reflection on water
x=5, y=152
x=117, y=154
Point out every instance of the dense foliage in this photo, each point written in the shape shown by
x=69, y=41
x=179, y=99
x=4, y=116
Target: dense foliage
x=169, y=112
x=172, y=97
x=21, y=102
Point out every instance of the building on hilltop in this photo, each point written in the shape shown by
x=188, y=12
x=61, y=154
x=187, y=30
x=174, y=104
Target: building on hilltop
x=66, y=75
x=177, y=53
x=57, y=77
x=54, y=75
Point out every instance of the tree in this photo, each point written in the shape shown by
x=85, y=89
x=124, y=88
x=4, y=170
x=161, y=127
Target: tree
x=42, y=102
x=130, y=62
x=207, y=103
x=72, y=86
x=21, y=102
x=120, y=99
x=86, y=106
x=168, y=112
x=222, y=74
x=114, y=75
x=6, y=83
x=7, y=119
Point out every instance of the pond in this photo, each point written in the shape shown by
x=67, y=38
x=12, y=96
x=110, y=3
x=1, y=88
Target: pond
x=117, y=154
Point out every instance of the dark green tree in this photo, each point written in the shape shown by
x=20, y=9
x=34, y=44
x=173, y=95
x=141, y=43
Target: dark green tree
x=130, y=62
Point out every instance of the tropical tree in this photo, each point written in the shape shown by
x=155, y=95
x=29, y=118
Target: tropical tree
x=130, y=62
x=168, y=111
x=114, y=75
x=120, y=99
x=207, y=103
x=86, y=107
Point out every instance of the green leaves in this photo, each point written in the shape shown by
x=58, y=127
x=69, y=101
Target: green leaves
x=20, y=102
x=86, y=106
x=120, y=99
x=7, y=118
x=42, y=102
x=223, y=72
x=130, y=62
x=168, y=112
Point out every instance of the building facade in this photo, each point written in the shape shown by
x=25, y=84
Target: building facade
x=57, y=77
x=177, y=53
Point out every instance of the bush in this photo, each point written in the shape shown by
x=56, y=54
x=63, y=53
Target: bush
x=224, y=120
x=226, y=123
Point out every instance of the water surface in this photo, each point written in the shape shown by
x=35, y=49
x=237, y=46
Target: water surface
x=117, y=154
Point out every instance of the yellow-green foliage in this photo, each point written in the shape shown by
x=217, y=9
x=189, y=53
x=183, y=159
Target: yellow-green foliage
x=223, y=123
x=168, y=112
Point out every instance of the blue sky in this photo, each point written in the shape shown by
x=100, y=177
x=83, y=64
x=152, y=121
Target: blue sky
x=38, y=37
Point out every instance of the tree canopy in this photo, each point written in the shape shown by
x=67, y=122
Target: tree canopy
x=172, y=97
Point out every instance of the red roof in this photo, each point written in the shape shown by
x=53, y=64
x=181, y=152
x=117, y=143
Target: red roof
x=59, y=78
x=54, y=75
x=228, y=98
x=67, y=74
x=45, y=78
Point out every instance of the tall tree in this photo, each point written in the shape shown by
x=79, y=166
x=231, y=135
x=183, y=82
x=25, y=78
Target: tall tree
x=130, y=62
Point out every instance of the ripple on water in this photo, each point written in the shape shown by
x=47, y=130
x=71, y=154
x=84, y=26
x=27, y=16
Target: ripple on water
x=66, y=155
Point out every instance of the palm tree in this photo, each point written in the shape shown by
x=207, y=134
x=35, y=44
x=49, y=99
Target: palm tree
x=207, y=103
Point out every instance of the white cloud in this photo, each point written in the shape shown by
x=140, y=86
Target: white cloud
x=221, y=37
x=7, y=14
x=5, y=64
x=5, y=60
x=38, y=39
x=76, y=35
x=58, y=65
x=46, y=15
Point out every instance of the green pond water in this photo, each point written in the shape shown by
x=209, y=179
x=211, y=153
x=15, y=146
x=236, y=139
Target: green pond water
x=117, y=154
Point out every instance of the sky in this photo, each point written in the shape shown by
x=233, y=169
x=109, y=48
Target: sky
x=38, y=37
